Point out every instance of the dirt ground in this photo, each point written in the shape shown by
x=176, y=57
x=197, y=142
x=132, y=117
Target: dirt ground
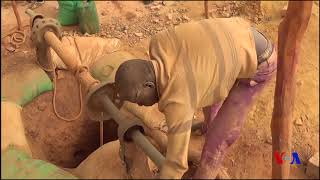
x=134, y=23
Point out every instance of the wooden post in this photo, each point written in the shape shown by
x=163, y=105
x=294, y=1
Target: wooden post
x=206, y=10
x=290, y=33
x=16, y=13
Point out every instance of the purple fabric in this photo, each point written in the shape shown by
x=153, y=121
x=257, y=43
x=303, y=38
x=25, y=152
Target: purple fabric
x=226, y=121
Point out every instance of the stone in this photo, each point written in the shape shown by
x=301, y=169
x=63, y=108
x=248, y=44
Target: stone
x=138, y=34
x=175, y=23
x=156, y=14
x=103, y=14
x=168, y=3
x=185, y=17
x=42, y=106
x=268, y=140
x=155, y=20
x=130, y=15
x=103, y=34
x=313, y=166
x=157, y=7
x=226, y=14
x=10, y=48
x=169, y=16
x=298, y=121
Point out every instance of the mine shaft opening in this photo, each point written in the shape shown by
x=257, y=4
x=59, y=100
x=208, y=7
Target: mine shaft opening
x=65, y=144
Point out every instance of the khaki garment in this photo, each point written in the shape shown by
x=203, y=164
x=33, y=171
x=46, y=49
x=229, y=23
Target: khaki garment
x=196, y=65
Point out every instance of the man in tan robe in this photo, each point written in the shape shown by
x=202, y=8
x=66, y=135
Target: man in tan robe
x=196, y=65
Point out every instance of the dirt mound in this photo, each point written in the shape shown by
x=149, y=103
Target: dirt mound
x=63, y=143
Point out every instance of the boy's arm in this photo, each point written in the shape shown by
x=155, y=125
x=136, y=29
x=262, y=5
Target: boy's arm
x=179, y=121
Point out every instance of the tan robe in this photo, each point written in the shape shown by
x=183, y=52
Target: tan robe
x=196, y=65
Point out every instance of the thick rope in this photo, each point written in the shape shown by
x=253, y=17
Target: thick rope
x=54, y=101
x=55, y=92
x=55, y=89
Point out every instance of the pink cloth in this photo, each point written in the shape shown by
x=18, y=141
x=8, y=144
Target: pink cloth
x=226, y=119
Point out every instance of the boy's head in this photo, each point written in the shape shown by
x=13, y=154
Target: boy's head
x=135, y=81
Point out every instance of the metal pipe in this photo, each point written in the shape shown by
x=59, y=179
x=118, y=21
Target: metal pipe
x=66, y=56
x=140, y=140
x=137, y=137
x=112, y=110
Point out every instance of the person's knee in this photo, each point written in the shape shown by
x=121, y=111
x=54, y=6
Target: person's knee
x=222, y=139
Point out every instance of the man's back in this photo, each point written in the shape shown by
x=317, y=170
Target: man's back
x=204, y=57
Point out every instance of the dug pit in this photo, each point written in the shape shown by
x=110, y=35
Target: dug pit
x=60, y=142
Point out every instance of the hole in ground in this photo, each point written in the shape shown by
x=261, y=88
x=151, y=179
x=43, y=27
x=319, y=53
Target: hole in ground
x=65, y=144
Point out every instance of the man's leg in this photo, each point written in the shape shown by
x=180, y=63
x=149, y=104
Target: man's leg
x=209, y=114
x=224, y=129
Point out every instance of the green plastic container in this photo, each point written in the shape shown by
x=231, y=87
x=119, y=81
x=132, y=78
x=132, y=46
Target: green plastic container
x=88, y=17
x=68, y=14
